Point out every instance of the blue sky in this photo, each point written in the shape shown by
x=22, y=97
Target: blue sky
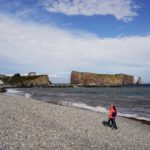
x=58, y=36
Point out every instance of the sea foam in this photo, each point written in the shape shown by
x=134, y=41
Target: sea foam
x=84, y=106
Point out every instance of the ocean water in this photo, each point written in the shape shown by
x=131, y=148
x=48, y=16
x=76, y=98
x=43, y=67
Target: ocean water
x=129, y=101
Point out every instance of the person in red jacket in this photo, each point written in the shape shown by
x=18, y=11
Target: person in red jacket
x=111, y=117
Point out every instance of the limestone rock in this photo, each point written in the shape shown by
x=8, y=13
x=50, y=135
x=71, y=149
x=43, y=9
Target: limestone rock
x=91, y=79
x=139, y=80
x=37, y=80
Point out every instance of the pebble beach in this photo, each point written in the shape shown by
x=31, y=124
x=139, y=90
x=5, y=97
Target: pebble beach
x=27, y=124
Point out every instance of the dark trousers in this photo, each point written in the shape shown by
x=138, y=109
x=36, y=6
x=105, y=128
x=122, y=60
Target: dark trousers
x=112, y=123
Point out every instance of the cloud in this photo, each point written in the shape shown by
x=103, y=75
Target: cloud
x=48, y=49
x=121, y=9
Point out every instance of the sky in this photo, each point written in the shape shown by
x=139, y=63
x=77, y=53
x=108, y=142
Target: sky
x=55, y=37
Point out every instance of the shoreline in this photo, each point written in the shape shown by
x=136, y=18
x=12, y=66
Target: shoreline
x=143, y=121
x=147, y=122
x=138, y=120
x=30, y=124
x=68, y=85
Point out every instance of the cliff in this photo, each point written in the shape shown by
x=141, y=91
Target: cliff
x=91, y=79
x=37, y=80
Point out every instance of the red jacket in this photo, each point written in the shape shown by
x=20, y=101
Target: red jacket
x=111, y=111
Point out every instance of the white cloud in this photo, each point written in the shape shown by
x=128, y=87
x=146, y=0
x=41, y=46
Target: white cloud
x=121, y=9
x=52, y=50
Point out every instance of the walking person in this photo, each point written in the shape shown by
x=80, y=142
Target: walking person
x=111, y=117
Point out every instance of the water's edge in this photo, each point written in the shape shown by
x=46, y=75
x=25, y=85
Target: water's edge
x=97, y=109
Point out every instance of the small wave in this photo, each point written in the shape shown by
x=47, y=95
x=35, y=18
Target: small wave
x=101, y=109
x=133, y=116
x=84, y=106
x=14, y=92
x=27, y=95
x=127, y=115
x=66, y=94
x=143, y=118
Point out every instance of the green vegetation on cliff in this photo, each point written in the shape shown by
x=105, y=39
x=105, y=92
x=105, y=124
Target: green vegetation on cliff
x=18, y=80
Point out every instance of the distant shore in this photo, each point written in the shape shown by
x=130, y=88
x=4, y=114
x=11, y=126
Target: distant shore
x=30, y=124
x=67, y=85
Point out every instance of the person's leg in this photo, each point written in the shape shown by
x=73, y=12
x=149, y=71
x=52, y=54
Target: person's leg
x=110, y=122
x=114, y=123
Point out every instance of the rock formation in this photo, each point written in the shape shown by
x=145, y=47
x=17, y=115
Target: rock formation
x=4, y=78
x=91, y=79
x=37, y=80
x=139, y=80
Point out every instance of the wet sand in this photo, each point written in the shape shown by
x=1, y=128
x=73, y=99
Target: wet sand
x=27, y=124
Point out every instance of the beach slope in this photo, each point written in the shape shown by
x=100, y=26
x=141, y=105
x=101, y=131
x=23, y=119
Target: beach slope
x=30, y=124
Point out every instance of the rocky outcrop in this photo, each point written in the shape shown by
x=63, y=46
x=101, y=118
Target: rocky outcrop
x=37, y=80
x=4, y=78
x=139, y=81
x=91, y=79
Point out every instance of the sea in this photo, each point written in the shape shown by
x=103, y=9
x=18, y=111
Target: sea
x=131, y=102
